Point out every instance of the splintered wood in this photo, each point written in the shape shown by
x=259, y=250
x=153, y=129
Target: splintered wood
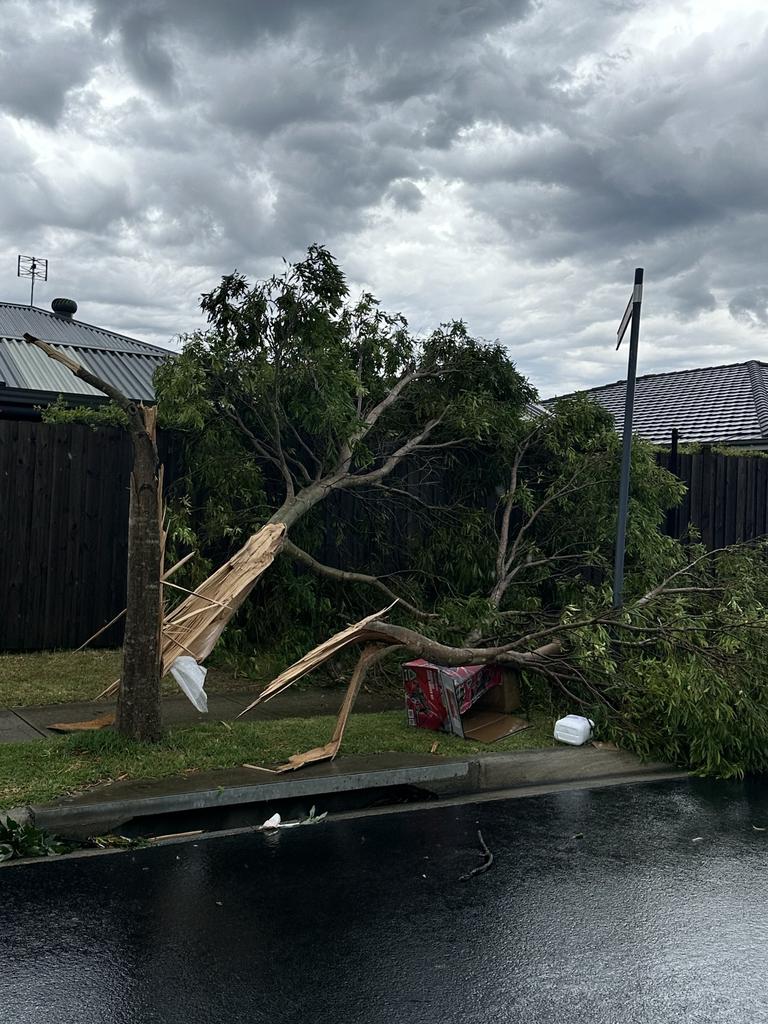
x=194, y=626
x=329, y=751
x=323, y=652
x=94, y=723
x=372, y=653
x=197, y=623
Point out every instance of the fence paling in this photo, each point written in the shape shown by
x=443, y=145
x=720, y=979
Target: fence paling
x=726, y=497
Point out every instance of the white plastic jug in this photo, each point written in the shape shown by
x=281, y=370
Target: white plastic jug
x=574, y=729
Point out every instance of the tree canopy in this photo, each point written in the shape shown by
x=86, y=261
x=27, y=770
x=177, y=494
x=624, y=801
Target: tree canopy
x=422, y=468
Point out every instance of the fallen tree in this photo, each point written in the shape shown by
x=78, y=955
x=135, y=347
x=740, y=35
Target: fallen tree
x=293, y=397
x=677, y=673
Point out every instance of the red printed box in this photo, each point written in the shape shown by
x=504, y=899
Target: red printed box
x=460, y=700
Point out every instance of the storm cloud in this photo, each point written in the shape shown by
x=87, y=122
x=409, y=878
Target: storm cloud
x=508, y=162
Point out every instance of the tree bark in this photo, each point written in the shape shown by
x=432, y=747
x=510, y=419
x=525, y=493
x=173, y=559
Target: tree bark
x=138, y=705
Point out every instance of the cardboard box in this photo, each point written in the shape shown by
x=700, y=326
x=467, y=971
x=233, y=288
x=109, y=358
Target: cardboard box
x=471, y=701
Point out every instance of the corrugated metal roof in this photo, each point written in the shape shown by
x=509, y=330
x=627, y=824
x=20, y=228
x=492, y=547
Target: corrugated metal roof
x=16, y=321
x=726, y=404
x=126, y=363
x=39, y=373
x=131, y=373
x=9, y=374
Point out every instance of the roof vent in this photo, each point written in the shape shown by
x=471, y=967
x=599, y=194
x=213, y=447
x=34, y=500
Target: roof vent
x=64, y=307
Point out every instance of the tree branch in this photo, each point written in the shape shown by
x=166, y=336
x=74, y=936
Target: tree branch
x=394, y=460
x=262, y=450
x=375, y=414
x=129, y=407
x=345, y=576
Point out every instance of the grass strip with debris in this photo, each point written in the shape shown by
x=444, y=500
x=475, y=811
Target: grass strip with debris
x=61, y=677
x=41, y=771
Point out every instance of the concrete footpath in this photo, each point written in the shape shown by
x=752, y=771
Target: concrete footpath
x=22, y=724
x=378, y=779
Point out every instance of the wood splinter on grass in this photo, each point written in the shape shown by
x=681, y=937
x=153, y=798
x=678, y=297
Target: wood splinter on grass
x=487, y=861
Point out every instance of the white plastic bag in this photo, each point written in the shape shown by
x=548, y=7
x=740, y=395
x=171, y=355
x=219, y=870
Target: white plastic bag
x=191, y=679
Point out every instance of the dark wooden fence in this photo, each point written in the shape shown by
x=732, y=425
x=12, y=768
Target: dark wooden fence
x=726, y=499
x=63, y=530
x=64, y=522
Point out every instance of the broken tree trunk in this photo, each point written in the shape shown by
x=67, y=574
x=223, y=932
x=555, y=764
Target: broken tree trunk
x=138, y=709
x=138, y=705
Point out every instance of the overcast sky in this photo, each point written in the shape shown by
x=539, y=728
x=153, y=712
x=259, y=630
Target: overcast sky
x=508, y=162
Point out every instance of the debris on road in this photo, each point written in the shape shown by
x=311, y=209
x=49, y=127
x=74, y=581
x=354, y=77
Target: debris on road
x=275, y=822
x=488, y=860
x=175, y=835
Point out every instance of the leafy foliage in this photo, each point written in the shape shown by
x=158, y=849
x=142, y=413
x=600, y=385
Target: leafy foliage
x=275, y=395
x=24, y=840
x=105, y=414
x=686, y=680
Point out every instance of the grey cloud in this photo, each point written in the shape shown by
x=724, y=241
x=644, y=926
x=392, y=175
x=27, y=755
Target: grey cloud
x=521, y=153
x=284, y=86
x=40, y=66
x=691, y=295
x=750, y=306
x=144, y=52
x=365, y=25
x=406, y=194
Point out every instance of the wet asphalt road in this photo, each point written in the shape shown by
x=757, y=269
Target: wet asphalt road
x=366, y=921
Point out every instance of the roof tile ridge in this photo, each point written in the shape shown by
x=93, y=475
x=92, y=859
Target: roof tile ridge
x=759, y=393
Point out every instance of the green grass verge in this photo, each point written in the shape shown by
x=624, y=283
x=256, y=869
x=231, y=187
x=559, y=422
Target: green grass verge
x=41, y=771
x=60, y=677
x=54, y=677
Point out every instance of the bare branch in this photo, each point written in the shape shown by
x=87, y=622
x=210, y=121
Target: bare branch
x=262, y=449
x=283, y=464
x=553, y=496
x=129, y=407
x=378, y=410
x=394, y=460
x=309, y=452
x=508, y=505
x=345, y=576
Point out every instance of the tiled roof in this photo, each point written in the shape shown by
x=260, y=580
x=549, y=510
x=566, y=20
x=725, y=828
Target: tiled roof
x=126, y=363
x=726, y=404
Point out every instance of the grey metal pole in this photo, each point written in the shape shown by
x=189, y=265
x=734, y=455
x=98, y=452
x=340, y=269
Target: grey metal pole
x=626, y=456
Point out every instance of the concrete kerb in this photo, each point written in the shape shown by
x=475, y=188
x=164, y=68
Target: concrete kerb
x=107, y=808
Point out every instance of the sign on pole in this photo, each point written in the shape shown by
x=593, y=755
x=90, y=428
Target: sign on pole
x=631, y=316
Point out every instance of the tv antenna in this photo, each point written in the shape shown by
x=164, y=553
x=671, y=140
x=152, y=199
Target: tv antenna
x=34, y=267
